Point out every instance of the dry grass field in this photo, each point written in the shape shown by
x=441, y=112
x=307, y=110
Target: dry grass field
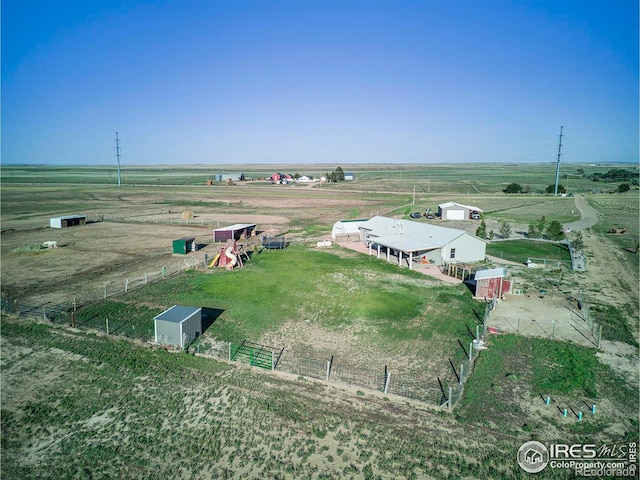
x=97, y=406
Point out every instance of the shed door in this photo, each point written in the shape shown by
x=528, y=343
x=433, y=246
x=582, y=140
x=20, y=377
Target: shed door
x=455, y=214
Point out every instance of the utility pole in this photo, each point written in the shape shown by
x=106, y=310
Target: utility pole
x=118, y=156
x=555, y=190
x=414, y=195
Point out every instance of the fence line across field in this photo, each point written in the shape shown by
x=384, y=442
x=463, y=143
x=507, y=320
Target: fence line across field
x=381, y=378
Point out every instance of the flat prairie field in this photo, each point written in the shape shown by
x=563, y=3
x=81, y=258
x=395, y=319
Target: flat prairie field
x=114, y=405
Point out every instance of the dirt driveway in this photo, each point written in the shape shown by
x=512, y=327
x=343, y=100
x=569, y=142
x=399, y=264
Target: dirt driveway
x=545, y=317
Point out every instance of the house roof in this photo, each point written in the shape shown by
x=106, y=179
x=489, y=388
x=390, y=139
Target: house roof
x=409, y=236
x=237, y=226
x=177, y=314
x=490, y=273
x=442, y=206
x=403, y=244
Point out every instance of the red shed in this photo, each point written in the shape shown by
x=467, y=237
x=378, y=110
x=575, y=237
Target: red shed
x=233, y=232
x=490, y=283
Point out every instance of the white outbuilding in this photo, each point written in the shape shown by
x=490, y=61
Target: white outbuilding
x=457, y=211
x=67, y=221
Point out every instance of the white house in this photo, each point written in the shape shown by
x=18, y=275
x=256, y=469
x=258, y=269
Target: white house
x=414, y=241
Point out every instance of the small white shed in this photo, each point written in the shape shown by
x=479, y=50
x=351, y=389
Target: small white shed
x=67, y=221
x=178, y=326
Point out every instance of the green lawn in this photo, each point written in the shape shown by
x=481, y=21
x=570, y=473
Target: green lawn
x=333, y=289
x=521, y=250
x=517, y=370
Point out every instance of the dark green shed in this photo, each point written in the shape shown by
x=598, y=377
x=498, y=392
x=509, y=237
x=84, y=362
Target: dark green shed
x=182, y=246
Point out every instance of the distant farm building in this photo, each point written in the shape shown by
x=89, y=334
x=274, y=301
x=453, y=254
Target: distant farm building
x=233, y=232
x=184, y=245
x=307, y=179
x=281, y=178
x=457, y=211
x=235, y=177
x=349, y=176
x=178, y=326
x=411, y=242
x=490, y=283
x=67, y=221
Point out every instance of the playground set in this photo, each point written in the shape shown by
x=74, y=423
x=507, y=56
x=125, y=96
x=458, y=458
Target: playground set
x=229, y=255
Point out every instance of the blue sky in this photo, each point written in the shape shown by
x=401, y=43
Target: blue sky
x=204, y=81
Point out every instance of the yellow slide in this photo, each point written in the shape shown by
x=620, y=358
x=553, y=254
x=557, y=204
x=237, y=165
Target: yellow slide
x=214, y=261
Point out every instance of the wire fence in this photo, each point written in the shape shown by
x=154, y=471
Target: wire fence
x=445, y=392
x=331, y=369
x=452, y=395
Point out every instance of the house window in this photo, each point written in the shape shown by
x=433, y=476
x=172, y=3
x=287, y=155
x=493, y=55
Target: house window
x=453, y=253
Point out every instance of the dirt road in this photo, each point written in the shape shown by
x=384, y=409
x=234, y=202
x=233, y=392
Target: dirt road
x=588, y=215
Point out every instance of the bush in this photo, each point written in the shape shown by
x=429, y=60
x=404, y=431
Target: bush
x=552, y=188
x=513, y=188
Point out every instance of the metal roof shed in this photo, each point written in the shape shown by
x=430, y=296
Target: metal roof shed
x=178, y=325
x=184, y=245
x=457, y=211
x=233, y=232
x=490, y=283
x=67, y=221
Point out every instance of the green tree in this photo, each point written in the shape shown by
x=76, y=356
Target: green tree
x=481, y=231
x=513, y=188
x=577, y=242
x=491, y=234
x=339, y=174
x=623, y=187
x=537, y=229
x=505, y=230
x=554, y=231
x=333, y=176
x=551, y=188
x=580, y=171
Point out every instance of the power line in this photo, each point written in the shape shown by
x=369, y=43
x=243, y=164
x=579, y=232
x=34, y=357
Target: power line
x=555, y=190
x=118, y=156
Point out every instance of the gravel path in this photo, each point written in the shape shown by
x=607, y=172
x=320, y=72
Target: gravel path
x=588, y=215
